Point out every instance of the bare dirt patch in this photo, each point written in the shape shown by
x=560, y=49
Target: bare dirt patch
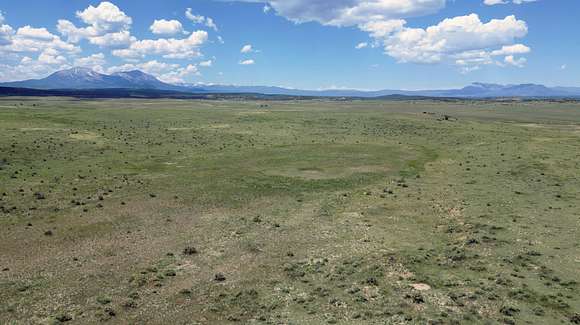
x=84, y=136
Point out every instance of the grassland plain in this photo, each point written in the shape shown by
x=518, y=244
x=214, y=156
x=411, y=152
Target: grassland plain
x=294, y=212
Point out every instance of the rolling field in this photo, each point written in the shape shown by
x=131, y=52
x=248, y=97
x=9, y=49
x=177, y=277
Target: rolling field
x=290, y=212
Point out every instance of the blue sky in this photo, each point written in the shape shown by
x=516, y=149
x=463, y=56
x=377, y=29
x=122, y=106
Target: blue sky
x=309, y=44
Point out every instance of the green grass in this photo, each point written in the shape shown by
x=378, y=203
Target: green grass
x=313, y=211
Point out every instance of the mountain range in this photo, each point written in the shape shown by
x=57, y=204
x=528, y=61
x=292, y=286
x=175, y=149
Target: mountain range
x=84, y=79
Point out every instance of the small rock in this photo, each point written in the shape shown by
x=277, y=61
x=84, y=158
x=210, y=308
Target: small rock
x=219, y=277
x=189, y=251
x=63, y=318
x=421, y=286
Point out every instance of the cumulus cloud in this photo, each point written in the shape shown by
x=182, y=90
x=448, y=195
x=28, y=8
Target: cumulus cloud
x=166, y=72
x=206, y=64
x=41, y=34
x=511, y=60
x=30, y=39
x=247, y=49
x=202, y=20
x=113, y=40
x=166, y=27
x=108, y=26
x=382, y=28
x=464, y=40
x=512, y=49
x=30, y=52
x=153, y=67
x=351, y=12
x=177, y=76
x=6, y=33
x=168, y=48
x=247, y=62
x=361, y=45
x=105, y=17
x=51, y=57
x=1, y=17
x=27, y=67
x=94, y=61
x=452, y=36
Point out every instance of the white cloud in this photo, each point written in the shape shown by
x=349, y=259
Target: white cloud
x=510, y=60
x=221, y=40
x=108, y=26
x=166, y=27
x=91, y=61
x=41, y=34
x=166, y=72
x=382, y=28
x=30, y=39
x=113, y=40
x=247, y=62
x=198, y=19
x=31, y=52
x=512, y=49
x=206, y=64
x=1, y=17
x=51, y=57
x=153, y=67
x=563, y=67
x=267, y=8
x=503, y=2
x=465, y=40
x=72, y=33
x=247, y=49
x=361, y=45
x=168, y=48
x=351, y=12
x=6, y=33
x=494, y=2
x=210, y=23
x=177, y=76
x=26, y=67
x=105, y=17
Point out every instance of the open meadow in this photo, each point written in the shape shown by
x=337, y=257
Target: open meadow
x=289, y=212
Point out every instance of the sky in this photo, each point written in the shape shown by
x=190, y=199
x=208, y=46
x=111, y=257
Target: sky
x=306, y=44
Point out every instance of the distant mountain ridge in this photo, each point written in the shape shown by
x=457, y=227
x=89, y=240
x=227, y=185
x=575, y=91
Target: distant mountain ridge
x=84, y=78
x=475, y=90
